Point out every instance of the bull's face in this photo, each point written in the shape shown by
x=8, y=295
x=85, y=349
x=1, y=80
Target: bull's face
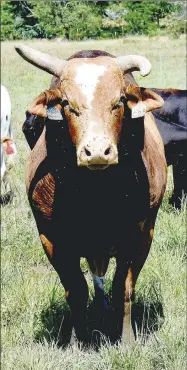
x=91, y=93
x=91, y=96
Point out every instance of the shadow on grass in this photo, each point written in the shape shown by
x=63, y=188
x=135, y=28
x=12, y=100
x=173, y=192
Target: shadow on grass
x=56, y=323
x=147, y=318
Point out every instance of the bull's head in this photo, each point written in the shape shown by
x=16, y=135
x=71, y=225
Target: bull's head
x=91, y=93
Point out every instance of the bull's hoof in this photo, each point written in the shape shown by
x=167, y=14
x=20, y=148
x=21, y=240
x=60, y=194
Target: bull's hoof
x=128, y=338
x=7, y=198
x=99, y=318
x=84, y=342
x=81, y=337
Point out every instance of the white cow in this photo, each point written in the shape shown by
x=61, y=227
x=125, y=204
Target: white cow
x=8, y=147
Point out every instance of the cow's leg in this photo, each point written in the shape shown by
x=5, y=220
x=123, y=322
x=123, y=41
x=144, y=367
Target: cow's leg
x=127, y=272
x=180, y=182
x=73, y=281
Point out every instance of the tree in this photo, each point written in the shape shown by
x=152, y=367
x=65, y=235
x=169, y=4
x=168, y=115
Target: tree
x=7, y=21
x=66, y=19
x=17, y=21
x=77, y=20
x=86, y=22
x=144, y=16
x=176, y=22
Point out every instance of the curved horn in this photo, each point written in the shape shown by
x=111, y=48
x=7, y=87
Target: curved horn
x=41, y=60
x=130, y=63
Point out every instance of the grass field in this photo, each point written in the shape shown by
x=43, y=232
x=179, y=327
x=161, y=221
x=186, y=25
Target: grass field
x=35, y=317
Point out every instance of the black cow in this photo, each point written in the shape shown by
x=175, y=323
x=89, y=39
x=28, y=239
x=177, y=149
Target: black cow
x=171, y=121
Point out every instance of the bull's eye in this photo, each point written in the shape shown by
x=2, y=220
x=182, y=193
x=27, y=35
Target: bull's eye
x=117, y=106
x=66, y=105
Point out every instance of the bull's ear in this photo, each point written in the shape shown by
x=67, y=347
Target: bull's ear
x=141, y=100
x=43, y=101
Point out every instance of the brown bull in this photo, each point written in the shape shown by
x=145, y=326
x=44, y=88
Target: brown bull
x=97, y=175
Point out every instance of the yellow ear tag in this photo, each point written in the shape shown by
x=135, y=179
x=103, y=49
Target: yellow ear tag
x=139, y=110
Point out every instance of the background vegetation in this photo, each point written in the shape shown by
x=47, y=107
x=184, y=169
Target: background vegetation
x=35, y=319
x=78, y=20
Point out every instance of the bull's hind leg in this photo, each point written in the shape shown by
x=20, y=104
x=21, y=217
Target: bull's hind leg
x=127, y=272
x=98, y=267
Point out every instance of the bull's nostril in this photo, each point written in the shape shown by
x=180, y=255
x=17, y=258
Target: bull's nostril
x=88, y=153
x=107, y=151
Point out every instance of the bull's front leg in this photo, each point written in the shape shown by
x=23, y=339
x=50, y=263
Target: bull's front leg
x=122, y=296
x=73, y=281
x=76, y=290
x=59, y=245
x=127, y=272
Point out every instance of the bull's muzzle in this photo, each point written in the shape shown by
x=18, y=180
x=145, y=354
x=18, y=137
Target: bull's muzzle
x=97, y=154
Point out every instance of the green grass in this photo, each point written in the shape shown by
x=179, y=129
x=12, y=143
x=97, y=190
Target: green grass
x=35, y=317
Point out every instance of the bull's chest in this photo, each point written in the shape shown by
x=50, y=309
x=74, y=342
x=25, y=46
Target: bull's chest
x=92, y=208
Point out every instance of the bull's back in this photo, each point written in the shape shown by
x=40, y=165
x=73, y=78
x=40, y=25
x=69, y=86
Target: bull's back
x=174, y=110
x=171, y=121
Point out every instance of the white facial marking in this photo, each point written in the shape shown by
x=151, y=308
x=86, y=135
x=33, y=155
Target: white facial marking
x=87, y=76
